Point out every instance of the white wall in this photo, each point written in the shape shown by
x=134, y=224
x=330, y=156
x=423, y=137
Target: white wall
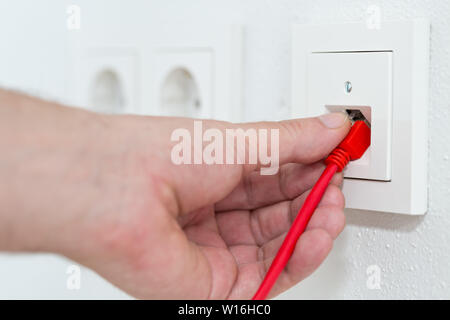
x=413, y=253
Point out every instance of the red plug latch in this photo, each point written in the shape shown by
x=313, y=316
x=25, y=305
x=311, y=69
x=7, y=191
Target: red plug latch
x=352, y=147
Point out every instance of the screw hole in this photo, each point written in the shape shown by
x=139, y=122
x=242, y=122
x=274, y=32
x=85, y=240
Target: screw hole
x=348, y=87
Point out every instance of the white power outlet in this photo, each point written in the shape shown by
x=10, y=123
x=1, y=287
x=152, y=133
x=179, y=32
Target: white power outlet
x=198, y=73
x=384, y=73
x=183, y=83
x=107, y=80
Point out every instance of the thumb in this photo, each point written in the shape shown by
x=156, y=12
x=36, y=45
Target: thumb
x=312, y=139
x=307, y=140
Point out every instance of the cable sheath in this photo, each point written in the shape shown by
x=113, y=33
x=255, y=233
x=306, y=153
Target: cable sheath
x=297, y=228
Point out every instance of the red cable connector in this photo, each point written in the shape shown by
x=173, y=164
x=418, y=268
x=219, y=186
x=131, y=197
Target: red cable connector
x=351, y=148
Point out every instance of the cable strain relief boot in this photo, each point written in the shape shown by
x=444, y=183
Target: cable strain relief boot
x=352, y=147
x=339, y=157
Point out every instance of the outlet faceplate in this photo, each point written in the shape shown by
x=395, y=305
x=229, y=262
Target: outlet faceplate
x=356, y=80
x=190, y=93
x=387, y=68
x=213, y=58
x=107, y=80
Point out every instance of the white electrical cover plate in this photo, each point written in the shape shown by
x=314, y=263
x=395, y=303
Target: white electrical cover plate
x=213, y=56
x=196, y=63
x=388, y=69
x=370, y=76
x=122, y=62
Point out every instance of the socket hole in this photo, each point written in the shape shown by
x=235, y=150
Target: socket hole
x=356, y=114
x=360, y=112
x=348, y=87
x=106, y=93
x=180, y=94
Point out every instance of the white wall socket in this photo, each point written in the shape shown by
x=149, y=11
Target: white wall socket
x=106, y=80
x=328, y=76
x=387, y=68
x=183, y=83
x=198, y=73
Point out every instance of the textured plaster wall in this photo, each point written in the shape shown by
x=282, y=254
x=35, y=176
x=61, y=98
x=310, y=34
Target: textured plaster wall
x=413, y=253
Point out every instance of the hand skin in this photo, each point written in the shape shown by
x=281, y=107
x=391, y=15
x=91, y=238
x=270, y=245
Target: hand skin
x=102, y=190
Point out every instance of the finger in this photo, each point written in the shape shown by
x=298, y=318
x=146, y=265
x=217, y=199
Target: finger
x=267, y=223
x=306, y=140
x=311, y=249
x=256, y=190
x=270, y=222
x=203, y=231
x=328, y=218
x=333, y=227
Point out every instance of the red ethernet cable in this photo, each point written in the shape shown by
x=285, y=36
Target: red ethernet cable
x=351, y=148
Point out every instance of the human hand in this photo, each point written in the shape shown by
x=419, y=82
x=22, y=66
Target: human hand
x=112, y=200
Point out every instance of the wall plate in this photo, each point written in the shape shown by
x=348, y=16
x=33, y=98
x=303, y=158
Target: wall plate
x=213, y=56
x=399, y=185
x=356, y=80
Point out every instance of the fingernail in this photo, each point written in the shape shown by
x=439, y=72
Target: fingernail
x=334, y=120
